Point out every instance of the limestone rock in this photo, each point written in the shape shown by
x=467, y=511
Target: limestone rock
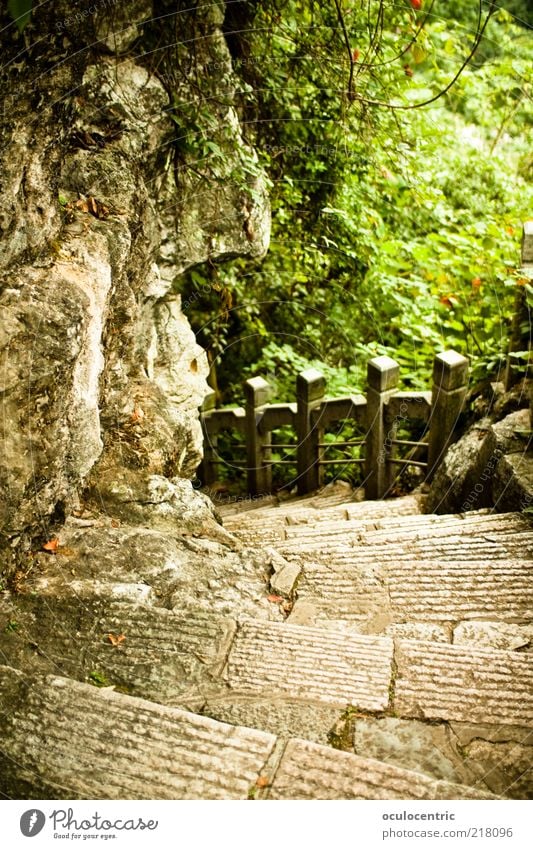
x=285, y=576
x=460, y=482
x=505, y=767
x=494, y=635
x=170, y=570
x=513, y=482
x=492, y=465
x=101, y=374
x=156, y=502
x=410, y=744
x=119, y=27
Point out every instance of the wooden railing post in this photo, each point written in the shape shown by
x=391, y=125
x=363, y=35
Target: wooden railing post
x=257, y=393
x=382, y=379
x=450, y=378
x=208, y=470
x=310, y=389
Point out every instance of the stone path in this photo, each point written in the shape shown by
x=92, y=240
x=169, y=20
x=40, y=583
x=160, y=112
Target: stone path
x=139, y=749
x=373, y=652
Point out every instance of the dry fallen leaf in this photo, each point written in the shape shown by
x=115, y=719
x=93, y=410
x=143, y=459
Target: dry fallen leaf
x=91, y=205
x=114, y=640
x=262, y=781
x=276, y=599
x=51, y=546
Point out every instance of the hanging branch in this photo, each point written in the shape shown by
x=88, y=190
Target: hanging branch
x=352, y=95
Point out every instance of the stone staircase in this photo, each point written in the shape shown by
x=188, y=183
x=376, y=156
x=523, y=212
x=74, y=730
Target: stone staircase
x=374, y=652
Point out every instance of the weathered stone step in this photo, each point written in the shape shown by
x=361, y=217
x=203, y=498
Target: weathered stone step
x=437, y=681
x=128, y=748
x=311, y=664
x=475, y=546
x=64, y=739
x=309, y=511
x=421, y=590
x=405, y=528
x=311, y=771
x=185, y=659
x=485, y=685
x=277, y=527
x=329, y=496
x=171, y=657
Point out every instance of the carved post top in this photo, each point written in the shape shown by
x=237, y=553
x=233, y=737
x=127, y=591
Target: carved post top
x=310, y=385
x=450, y=370
x=383, y=373
x=256, y=391
x=209, y=402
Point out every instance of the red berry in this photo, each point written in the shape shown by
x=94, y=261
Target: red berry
x=416, y=4
x=355, y=55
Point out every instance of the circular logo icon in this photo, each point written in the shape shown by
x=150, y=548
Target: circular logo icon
x=32, y=822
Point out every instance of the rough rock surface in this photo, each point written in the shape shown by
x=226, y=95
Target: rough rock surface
x=101, y=375
x=490, y=466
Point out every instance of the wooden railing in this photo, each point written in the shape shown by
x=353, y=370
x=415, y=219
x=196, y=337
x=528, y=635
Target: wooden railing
x=379, y=415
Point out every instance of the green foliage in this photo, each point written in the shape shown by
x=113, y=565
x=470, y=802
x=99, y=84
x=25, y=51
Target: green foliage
x=395, y=230
x=98, y=679
x=20, y=11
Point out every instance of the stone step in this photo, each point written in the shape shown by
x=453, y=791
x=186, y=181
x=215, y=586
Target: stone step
x=64, y=739
x=311, y=664
x=299, y=663
x=311, y=510
x=420, y=590
x=474, y=546
x=311, y=771
x=184, y=658
x=377, y=529
x=394, y=528
x=187, y=659
x=460, y=683
x=129, y=748
x=330, y=495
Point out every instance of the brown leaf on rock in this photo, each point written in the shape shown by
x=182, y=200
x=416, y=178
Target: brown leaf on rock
x=262, y=781
x=116, y=640
x=275, y=599
x=51, y=546
x=91, y=205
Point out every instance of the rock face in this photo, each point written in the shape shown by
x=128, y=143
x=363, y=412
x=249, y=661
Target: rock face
x=101, y=377
x=491, y=466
